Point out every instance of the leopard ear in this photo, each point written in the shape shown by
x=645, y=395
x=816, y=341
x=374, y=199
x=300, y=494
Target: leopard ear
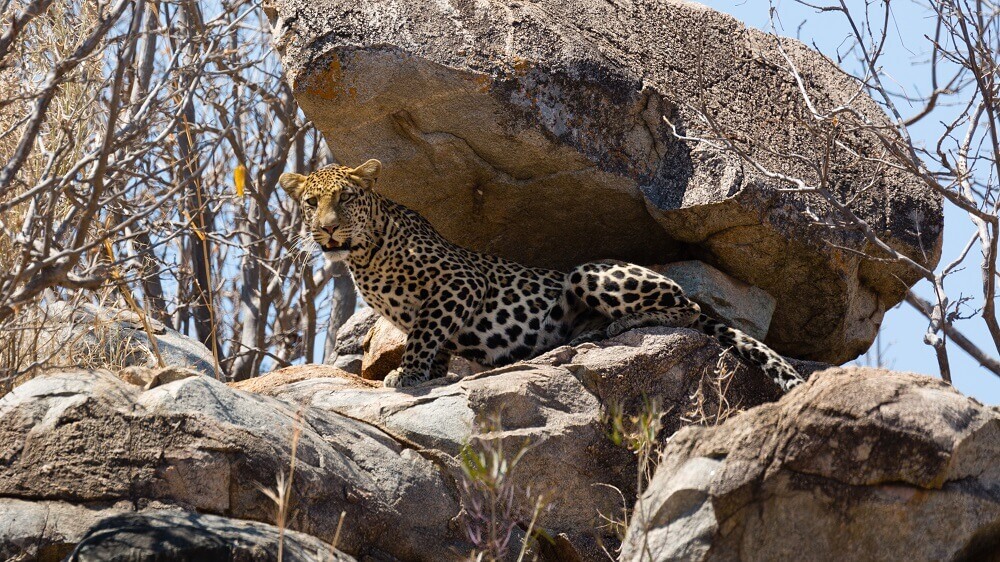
x=292, y=184
x=367, y=173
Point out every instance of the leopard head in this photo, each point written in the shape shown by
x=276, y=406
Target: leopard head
x=335, y=205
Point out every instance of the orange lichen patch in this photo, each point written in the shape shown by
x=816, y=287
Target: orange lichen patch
x=521, y=66
x=483, y=82
x=326, y=84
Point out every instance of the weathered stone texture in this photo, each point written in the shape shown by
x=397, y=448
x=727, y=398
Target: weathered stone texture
x=388, y=458
x=858, y=464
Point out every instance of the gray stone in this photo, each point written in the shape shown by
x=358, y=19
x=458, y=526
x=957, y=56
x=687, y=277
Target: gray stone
x=87, y=437
x=536, y=131
x=178, y=536
x=351, y=336
x=857, y=464
x=742, y=306
x=349, y=350
x=55, y=530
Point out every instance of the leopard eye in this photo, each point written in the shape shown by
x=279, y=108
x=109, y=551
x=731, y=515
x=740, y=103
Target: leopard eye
x=346, y=196
x=312, y=202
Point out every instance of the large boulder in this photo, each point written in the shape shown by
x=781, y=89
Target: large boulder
x=88, y=438
x=538, y=131
x=857, y=464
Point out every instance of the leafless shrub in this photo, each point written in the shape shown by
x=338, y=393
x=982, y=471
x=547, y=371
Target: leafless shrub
x=709, y=403
x=141, y=146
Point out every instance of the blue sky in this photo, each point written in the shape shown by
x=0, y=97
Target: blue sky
x=903, y=328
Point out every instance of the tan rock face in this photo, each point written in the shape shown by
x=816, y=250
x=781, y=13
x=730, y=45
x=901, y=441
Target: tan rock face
x=858, y=464
x=536, y=131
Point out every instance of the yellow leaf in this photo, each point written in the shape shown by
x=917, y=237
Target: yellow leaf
x=240, y=179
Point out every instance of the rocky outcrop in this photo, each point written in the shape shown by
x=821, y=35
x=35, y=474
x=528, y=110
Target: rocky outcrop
x=88, y=438
x=538, y=131
x=858, y=464
x=390, y=459
x=842, y=467
x=555, y=405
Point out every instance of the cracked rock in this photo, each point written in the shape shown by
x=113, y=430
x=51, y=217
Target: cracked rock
x=857, y=464
x=537, y=131
x=88, y=438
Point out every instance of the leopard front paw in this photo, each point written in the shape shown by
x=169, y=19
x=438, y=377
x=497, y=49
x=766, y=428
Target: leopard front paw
x=398, y=379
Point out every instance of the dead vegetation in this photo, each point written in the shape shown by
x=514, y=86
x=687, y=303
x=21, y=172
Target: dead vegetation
x=141, y=144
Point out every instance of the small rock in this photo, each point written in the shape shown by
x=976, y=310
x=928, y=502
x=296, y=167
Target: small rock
x=151, y=378
x=383, y=350
x=742, y=306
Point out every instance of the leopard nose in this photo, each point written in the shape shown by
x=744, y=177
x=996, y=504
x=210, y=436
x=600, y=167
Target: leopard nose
x=330, y=229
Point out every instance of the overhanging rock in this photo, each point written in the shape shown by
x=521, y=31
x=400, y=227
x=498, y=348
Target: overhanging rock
x=536, y=131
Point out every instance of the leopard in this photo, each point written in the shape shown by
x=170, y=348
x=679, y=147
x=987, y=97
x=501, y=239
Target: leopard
x=450, y=300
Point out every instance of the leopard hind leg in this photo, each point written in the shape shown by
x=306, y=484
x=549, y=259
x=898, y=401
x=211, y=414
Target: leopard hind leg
x=631, y=296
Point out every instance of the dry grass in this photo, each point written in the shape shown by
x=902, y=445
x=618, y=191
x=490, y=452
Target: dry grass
x=640, y=434
x=67, y=335
x=710, y=403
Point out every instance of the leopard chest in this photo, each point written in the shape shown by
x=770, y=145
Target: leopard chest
x=394, y=288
